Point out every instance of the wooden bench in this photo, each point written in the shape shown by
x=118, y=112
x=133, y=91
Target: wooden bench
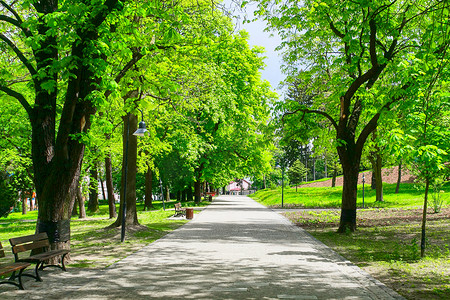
x=179, y=211
x=12, y=268
x=38, y=243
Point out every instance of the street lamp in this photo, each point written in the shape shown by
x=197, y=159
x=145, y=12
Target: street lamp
x=282, y=183
x=363, y=180
x=139, y=132
x=162, y=194
x=142, y=130
x=282, y=186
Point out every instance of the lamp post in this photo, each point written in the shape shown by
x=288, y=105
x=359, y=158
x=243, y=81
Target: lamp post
x=162, y=194
x=363, y=180
x=139, y=132
x=282, y=186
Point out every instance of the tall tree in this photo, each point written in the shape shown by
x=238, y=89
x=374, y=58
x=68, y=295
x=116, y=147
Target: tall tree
x=351, y=56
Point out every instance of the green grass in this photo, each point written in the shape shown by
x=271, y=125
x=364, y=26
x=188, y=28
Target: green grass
x=327, y=197
x=391, y=253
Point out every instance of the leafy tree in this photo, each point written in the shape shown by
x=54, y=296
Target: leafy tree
x=352, y=57
x=297, y=171
x=425, y=141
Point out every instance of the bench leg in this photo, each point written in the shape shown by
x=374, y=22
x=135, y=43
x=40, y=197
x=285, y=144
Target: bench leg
x=11, y=280
x=62, y=262
x=36, y=271
x=20, y=279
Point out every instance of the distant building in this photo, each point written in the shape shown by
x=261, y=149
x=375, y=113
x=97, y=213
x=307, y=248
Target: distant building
x=239, y=187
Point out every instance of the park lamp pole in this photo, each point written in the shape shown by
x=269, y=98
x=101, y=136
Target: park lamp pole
x=282, y=186
x=363, y=180
x=139, y=132
x=282, y=183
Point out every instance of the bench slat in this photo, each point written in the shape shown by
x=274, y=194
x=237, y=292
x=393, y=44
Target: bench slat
x=46, y=255
x=5, y=269
x=28, y=238
x=26, y=247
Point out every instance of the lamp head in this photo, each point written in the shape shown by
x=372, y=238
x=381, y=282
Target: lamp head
x=141, y=131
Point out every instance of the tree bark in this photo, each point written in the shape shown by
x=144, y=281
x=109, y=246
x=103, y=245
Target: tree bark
x=333, y=179
x=93, y=189
x=80, y=202
x=75, y=208
x=349, y=197
x=373, y=183
x=167, y=194
x=110, y=187
x=183, y=195
x=189, y=195
x=103, y=188
x=399, y=178
x=131, y=163
x=197, y=191
x=24, y=204
x=148, y=204
x=379, y=178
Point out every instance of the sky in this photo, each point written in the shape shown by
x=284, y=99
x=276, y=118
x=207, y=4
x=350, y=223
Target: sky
x=258, y=37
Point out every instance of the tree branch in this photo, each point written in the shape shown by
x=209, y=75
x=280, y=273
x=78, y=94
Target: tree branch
x=20, y=98
x=19, y=54
x=312, y=111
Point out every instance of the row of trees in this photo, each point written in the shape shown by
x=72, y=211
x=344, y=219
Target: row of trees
x=368, y=76
x=77, y=76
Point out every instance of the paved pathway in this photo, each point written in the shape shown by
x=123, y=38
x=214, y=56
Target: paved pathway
x=234, y=249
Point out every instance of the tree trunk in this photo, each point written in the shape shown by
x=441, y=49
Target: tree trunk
x=399, y=178
x=75, y=209
x=373, y=183
x=314, y=169
x=197, y=191
x=24, y=205
x=178, y=196
x=148, y=204
x=189, y=195
x=350, y=159
x=129, y=165
x=93, y=189
x=183, y=195
x=80, y=202
x=379, y=178
x=424, y=218
x=333, y=179
x=167, y=194
x=103, y=189
x=110, y=187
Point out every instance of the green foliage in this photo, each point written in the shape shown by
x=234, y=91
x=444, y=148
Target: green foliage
x=297, y=171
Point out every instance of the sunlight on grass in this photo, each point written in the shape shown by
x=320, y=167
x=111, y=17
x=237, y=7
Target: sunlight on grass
x=328, y=197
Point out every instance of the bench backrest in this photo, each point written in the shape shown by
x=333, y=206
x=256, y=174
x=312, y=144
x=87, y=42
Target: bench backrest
x=29, y=242
x=2, y=252
x=177, y=206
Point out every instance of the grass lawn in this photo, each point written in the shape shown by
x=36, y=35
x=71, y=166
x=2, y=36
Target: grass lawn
x=328, y=197
x=93, y=244
x=387, y=242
